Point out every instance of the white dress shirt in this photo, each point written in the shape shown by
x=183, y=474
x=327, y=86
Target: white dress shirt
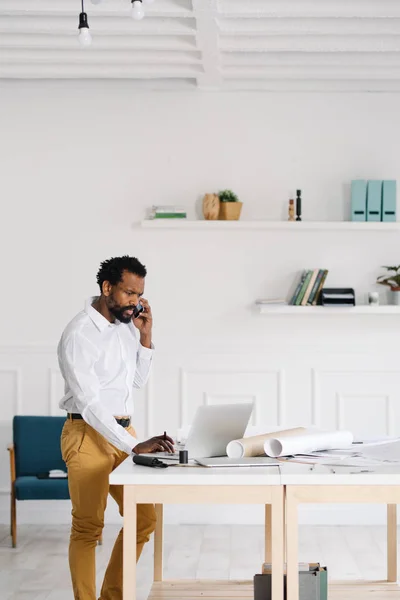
x=101, y=363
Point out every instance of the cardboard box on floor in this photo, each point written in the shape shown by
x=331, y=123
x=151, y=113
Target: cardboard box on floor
x=313, y=582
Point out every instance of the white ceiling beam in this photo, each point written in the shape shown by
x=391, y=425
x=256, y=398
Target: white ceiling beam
x=314, y=43
x=111, y=26
x=95, y=56
x=296, y=72
x=309, y=8
x=319, y=86
x=98, y=71
x=306, y=26
x=120, y=8
x=101, y=42
x=145, y=85
x=326, y=59
x=207, y=42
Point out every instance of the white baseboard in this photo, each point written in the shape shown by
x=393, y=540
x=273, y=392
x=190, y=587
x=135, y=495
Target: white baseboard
x=59, y=512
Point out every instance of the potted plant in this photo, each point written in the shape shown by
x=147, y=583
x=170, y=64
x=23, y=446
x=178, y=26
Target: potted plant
x=392, y=279
x=230, y=206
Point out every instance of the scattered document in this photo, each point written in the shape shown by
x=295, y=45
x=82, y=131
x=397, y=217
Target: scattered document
x=306, y=442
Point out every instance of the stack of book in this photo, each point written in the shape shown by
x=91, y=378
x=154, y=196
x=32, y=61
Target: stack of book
x=308, y=289
x=167, y=212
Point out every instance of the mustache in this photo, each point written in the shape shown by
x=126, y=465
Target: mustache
x=121, y=309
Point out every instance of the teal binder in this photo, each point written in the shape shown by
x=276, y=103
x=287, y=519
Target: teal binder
x=359, y=200
x=374, y=201
x=389, y=200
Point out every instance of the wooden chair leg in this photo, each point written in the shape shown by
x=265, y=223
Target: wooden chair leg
x=13, y=519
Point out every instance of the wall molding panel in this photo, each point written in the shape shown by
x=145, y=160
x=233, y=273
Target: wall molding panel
x=304, y=387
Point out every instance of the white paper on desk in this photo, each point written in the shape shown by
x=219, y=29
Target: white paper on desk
x=384, y=453
x=379, y=441
x=306, y=442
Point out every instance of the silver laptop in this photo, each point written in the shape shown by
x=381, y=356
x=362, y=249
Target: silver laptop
x=212, y=429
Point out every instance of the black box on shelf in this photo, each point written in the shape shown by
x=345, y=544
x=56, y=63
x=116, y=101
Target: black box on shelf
x=338, y=297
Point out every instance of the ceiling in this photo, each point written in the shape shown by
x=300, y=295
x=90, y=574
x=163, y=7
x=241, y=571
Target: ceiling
x=272, y=45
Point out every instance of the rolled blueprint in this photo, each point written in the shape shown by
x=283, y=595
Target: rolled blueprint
x=254, y=445
x=306, y=442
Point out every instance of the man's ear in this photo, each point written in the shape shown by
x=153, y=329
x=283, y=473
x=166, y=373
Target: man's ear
x=106, y=288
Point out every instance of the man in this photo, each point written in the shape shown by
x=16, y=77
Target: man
x=104, y=352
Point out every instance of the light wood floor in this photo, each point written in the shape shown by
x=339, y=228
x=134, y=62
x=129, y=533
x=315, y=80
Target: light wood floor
x=38, y=568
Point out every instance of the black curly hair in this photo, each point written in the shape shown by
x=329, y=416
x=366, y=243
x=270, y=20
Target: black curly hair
x=111, y=270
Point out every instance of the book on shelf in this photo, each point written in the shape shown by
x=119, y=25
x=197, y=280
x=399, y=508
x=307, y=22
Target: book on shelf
x=167, y=212
x=169, y=216
x=271, y=302
x=308, y=289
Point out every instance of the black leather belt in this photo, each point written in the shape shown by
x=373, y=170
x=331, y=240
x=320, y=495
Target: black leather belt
x=123, y=422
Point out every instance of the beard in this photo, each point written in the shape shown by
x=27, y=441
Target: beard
x=118, y=311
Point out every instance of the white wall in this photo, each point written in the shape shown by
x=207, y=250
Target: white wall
x=80, y=165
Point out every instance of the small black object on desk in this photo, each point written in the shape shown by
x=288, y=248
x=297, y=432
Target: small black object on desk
x=183, y=457
x=148, y=461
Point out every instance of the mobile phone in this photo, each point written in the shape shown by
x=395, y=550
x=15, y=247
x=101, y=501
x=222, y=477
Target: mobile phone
x=137, y=310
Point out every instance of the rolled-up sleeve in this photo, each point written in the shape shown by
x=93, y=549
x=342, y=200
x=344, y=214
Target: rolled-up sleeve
x=78, y=357
x=144, y=358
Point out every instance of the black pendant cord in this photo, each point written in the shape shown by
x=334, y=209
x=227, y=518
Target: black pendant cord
x=83, y=8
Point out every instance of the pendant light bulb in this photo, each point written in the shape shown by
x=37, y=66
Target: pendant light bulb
x=137, y=11
x=85, y=39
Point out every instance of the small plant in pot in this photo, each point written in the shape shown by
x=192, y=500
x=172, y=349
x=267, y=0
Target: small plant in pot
x=230, y=206
x=392, y=279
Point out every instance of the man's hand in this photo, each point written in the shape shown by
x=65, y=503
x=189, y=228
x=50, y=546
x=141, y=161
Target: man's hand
x=144, y=322
x=155, y=444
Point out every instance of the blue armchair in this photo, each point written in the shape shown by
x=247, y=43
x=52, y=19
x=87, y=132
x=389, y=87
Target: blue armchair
x=35, y=449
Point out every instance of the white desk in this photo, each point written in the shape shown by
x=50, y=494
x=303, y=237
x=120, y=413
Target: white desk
x=194, y=485
x=345, y=484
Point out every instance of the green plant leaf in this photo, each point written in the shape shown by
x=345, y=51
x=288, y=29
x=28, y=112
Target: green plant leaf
x=227, y=196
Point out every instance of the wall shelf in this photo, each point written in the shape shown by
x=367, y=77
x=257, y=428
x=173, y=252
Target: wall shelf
x=286, y=309
x=186, y=224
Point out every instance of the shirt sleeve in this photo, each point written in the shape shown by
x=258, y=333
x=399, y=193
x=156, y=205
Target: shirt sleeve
x=144, y=358
x=78, y=356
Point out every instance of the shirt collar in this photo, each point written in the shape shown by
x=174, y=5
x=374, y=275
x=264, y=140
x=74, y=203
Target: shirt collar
x=101, y=322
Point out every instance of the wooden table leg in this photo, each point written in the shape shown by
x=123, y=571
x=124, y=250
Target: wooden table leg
x=292, y=543
x=277, y=528
x=129, y=543
x=268, y=534
x=284, y=522
x=158, y=544
x=392, y=542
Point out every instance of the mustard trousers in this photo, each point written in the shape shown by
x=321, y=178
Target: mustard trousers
x=90, y=459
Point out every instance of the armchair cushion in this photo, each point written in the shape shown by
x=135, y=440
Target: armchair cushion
x=31, y=488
